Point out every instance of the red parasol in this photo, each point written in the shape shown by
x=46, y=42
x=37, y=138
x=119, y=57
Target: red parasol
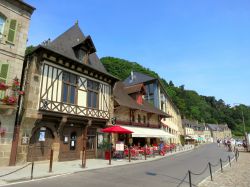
x=117, y=129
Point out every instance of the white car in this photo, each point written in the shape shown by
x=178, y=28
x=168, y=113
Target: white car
x=239, y=143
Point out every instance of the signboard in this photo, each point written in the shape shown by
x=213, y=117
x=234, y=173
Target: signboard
x=42, y=136
x=25, y=140
x=100, y=139
x=119, y=146
x=66, y=139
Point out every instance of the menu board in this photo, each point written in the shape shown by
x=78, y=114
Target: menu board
x=119, y=146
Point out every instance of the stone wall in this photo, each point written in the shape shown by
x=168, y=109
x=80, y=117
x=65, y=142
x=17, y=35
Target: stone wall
x=30, y=103
x=12, y=54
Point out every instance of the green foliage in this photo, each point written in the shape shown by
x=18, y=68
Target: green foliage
x=190, y=103
x=29, y=49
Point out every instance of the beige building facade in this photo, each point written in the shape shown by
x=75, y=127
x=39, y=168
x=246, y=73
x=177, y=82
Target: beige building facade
x=14, y=25
x=158, y=97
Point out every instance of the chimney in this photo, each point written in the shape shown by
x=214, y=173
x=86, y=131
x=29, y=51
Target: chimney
x=132, y=75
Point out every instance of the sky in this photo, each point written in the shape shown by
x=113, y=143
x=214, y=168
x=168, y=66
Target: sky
x=203, y=45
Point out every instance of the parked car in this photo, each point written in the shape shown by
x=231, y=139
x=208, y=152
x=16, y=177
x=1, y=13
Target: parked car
x=238, y=143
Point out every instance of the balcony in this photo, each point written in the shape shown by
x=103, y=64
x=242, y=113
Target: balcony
x=137, y=124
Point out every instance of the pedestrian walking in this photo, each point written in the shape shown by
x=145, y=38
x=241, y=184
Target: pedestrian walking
x=218, y=142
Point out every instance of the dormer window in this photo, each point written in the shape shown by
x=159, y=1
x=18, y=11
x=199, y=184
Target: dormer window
x=83, y=49
x=80, y=54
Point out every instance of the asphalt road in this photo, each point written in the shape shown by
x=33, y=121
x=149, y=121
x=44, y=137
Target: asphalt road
x=167, y=172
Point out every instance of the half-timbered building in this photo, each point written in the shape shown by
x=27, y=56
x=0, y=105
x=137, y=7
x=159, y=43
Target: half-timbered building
x=67, y=100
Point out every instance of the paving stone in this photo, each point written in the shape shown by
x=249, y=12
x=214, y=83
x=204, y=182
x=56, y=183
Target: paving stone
x=236, y=176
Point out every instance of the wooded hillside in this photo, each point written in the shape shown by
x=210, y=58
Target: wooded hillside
x=191, y=105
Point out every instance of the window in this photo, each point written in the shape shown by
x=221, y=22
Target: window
x=2, y=23
x=92, y=96
x=150, y=93
x=144, y=119
x=69, y=88
x=4, y=72
x=133, y=118
x=91, y=138
x=12, y=30
x=150, y=89
x=72, y=145
x=139, y=118
x=3, y=77
x=80, y=54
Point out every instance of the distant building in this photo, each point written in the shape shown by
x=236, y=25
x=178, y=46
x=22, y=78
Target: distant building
x=14, y=25
x=220, y=131
x=196, y=131
x=158, y=97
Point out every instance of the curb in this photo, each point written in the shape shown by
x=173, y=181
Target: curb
x=215, y=172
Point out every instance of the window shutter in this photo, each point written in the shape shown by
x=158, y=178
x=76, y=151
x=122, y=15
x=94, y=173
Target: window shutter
x=12, y=30
x=4, y=72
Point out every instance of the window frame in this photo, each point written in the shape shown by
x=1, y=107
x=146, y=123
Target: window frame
x=91, y=90
x=69, y=88
x=4, y=24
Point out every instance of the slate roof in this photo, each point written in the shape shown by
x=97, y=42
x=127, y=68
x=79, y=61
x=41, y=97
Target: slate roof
x=137, y=79
x=30, y=9
x=135, y=88
x=214, y=127
x=123, y=99
x=64, y=44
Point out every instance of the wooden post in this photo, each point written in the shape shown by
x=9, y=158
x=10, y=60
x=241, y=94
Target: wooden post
x=110, y=148
x=84, y=137
x=210, y=170
x=32, y=169
x=221, y=168
x=51, y=160
x=129, y=154
x=190, y=180
x=229, y=159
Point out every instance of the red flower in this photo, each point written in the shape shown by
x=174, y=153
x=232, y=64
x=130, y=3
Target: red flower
x=3, y=86
x=21, y=92
x=9, y=100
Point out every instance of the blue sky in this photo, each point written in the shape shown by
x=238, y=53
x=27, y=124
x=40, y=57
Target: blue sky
x=204, y=45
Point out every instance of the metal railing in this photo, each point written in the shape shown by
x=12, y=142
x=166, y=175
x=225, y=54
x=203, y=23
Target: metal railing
x=209, y=166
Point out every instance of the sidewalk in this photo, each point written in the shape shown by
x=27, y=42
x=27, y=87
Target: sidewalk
x=235, y=176
x=41, y=169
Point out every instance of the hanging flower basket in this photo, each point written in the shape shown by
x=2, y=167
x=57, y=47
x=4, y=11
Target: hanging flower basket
x=9, y=100
x=3, y=86
x=15, y=84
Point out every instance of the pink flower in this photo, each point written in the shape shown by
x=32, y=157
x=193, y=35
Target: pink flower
x=21, y=92
x=3, y=86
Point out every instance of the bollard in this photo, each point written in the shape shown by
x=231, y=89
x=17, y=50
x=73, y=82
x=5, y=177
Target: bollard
x=50, y=160
x=210, y=170
x=32, y=169
x=221, y=168
x=236, y=157
x=190, y=181
x=83, y=156
x=145, y=153
x=129, y=154
x=229, y=159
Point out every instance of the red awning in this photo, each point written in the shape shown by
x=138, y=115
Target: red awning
x=117, y=129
